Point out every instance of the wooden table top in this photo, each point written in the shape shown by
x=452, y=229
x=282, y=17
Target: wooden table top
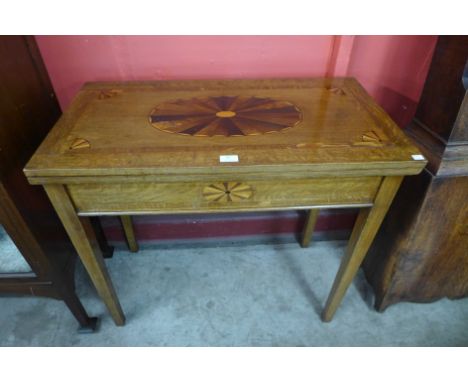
x=292, y=127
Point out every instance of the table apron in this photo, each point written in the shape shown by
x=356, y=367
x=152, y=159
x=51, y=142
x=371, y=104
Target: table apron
x=222, y=196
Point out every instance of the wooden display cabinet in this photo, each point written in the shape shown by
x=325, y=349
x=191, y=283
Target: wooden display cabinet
x=28, y=109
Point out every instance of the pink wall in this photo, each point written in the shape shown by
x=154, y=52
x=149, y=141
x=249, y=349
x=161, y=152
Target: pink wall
x=392, y=68
x=72, y=60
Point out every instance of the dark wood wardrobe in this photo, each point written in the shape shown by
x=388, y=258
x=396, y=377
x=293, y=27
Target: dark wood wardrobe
x=421, y=252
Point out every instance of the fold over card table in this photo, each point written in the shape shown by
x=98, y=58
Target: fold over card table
x=164, y=147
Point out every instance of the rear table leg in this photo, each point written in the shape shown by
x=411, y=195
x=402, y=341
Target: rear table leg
x=129, y=232
x=309, y=226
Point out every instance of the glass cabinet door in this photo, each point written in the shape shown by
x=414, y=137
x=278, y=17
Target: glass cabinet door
x=11, y=260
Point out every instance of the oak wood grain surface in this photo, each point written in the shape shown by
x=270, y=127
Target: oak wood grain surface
x=152, y=197
x=108, y=131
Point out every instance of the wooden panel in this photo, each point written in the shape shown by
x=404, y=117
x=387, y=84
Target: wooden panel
x=443, y=92
x=305, y=127
x=444, y=160
x=32, y=286
x=420, y=253
x=28, y=108
x=221, y=196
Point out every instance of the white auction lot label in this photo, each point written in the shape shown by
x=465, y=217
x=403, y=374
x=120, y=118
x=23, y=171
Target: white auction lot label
x=228, y=158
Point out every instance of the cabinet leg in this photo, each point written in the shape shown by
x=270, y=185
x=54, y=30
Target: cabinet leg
x=106, y=249
x=24, y=239
x=309, y=226
x=365, y=229
x=87, y=324
x=129, y=232
x=83, y=238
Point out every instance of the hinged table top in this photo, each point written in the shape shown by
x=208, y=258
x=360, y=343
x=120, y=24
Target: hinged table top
x=307, y=127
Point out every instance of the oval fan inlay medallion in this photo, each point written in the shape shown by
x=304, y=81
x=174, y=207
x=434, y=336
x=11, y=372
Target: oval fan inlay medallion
x=225, y=116
x=227, y=192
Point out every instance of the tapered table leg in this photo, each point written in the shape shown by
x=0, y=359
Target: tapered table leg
x=129, y=232
x=309, y=226
x=365, y=229
x=84, y=240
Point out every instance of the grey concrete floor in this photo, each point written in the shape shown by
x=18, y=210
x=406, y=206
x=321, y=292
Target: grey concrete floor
x=232, y=295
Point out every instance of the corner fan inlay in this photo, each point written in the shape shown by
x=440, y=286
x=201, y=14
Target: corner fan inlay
x=79, y=143
x=225, y=116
